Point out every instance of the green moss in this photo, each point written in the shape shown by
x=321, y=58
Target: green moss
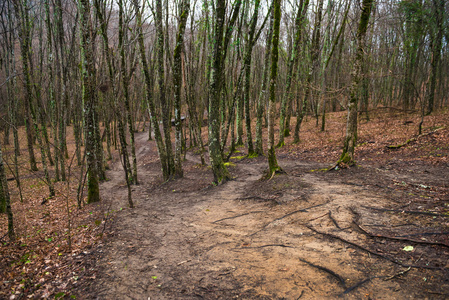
x=229, y=164
x=238, y=157
x=252, y=155
x=346, y=159
x=93, y=194
x=280, y=144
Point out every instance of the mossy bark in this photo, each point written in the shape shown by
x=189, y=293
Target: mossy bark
x=21, y=11
x=315, y=51
x=177, y=76
x=272, y=161
x=89, y=101
x=263, y=96
x=5, y=200
x=247, y=62
x=125, y=85
x=149, y=94
x=165, y=103
x=221, y=174
x=350, y=142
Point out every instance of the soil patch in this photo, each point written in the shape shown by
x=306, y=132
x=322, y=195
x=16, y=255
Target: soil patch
x=305, y=234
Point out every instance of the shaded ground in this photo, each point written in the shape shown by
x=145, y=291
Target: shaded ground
x=305, y=234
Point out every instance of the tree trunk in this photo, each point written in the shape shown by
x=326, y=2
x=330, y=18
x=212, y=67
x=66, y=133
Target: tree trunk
x=177, y=82
x=315, y=51
x=272, y=161
x=165, y=103
x=125, y=86
x=247, y=64
x=347, y=157
x=436, y=54
x=287, y=98
x=90, y=102
x=263, y=96
x=21, y=11
x=221, y=174
x=5, y=200
x=149, y=94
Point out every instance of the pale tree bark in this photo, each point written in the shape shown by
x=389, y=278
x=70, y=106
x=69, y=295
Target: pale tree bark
x=347, y=156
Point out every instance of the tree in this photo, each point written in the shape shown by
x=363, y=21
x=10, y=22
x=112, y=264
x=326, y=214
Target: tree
x=221, y=174
x=287, y=98
x=21, y=10
x=165, y=103
x=5, y=200
x=436, y=43
x=149, y=95
x=90, y=101
x=350, y=142
x=177, y=76
x=272, y=161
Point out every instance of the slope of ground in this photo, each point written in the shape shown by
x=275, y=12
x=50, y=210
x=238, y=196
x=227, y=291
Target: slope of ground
x=367, y=232
x=375, y=231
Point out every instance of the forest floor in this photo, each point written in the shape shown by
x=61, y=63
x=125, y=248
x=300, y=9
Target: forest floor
x=375, y=231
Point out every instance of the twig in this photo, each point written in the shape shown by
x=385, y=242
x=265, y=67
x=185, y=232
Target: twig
x=397, y=274
x=234, y=217
x=413, y=212
x=335, y=275
x=183, y=262
x=1, y=238
x=413, y=139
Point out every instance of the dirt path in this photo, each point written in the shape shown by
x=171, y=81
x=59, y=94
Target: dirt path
x=254, y=239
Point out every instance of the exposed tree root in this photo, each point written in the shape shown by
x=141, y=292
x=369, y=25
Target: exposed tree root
x=372, y=252
x=238, y=216
x=398, y=238
x=340, y=279
x=357, y=285
x=413, y=212
x=333, y=220
x=288, y=215
x=264, y=246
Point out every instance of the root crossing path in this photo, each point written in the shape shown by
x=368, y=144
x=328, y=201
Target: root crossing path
x=246, y=239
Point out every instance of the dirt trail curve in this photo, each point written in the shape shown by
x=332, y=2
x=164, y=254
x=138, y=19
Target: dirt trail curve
x=246, y=239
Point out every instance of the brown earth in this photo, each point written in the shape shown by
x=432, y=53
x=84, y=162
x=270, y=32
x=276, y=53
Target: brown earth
x=308, y=233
